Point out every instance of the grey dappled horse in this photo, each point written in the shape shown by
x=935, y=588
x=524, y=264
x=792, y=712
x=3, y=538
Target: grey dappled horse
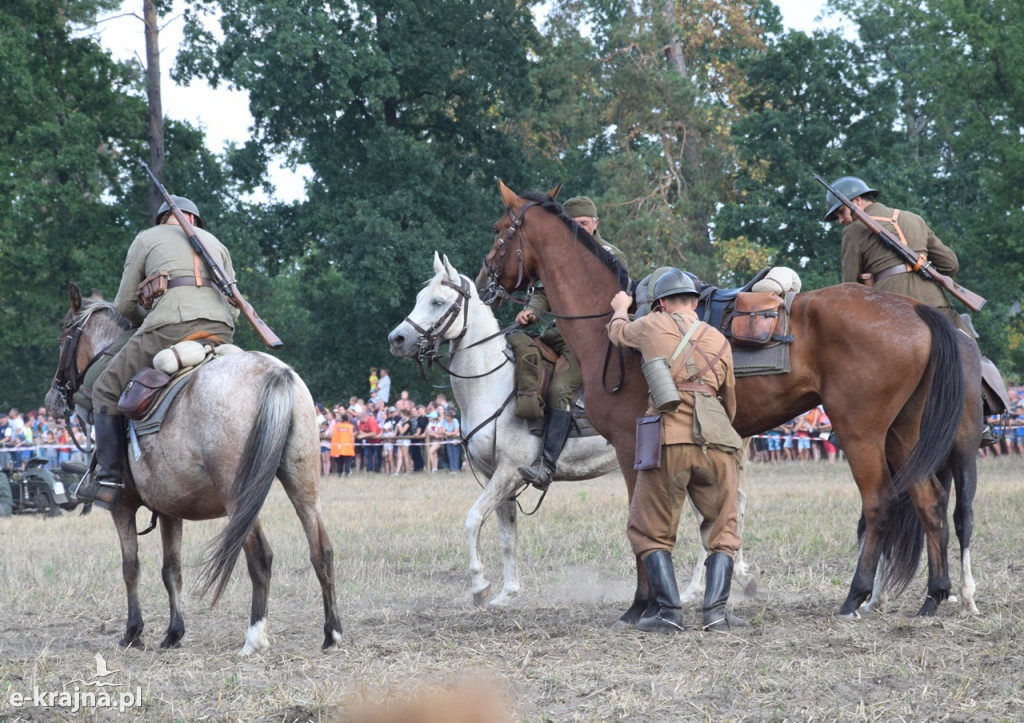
x=240, y=422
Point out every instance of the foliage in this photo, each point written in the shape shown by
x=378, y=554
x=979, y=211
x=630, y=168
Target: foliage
x=70, y=118
x=399, y=108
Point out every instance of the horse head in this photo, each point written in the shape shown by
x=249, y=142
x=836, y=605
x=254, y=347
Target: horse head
x=510, y=266
x=440, y=314
x=89, y=327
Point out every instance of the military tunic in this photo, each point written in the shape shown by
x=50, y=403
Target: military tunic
x=864, y=253
x=710, y=476
x=183, y=311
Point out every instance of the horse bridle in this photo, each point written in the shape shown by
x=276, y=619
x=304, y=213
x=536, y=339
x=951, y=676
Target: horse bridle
x=68, y=379
x=432, y=337
x=492, y=290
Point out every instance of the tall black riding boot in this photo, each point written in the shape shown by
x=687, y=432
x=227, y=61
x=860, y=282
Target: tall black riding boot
x=717, y=581
x=556, y=432
x=105, y=481
x=664, y=592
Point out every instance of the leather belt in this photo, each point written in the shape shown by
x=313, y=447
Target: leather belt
x=188, y=281
x=891, y=271
x=697, y=387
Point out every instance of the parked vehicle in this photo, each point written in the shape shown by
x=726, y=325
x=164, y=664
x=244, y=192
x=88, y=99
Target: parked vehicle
x=37, y=490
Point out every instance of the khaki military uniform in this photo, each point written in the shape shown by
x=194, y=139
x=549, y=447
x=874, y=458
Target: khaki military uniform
x=864, y=253
x=709, y=474
x=182, y=312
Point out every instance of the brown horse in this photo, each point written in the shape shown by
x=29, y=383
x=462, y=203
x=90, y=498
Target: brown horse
x=878, y=362
x=241, y=421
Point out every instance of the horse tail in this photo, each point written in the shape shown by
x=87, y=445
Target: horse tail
x=943, y=408
x=256, y=471
x=902, y=544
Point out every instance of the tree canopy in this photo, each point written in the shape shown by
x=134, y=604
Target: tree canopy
x=696, y=126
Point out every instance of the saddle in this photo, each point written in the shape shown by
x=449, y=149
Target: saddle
x=153, y=388
x=747, y=316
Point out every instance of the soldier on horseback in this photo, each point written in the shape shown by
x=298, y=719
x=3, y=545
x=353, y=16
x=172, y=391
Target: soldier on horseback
x=567, y=377
x=167, y=295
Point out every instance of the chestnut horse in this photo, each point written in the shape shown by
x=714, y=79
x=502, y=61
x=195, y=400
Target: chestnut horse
x=240, y=421
x=879, y=363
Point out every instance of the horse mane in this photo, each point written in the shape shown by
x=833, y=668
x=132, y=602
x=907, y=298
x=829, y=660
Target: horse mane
x=581, y=234
x=93, y=306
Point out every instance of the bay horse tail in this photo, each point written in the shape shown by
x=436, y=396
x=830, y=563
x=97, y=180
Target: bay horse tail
x=256, y=471
x=940, y=421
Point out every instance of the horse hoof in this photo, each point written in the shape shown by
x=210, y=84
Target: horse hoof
x=623, y=625
x=480, y=597
x=848, y=617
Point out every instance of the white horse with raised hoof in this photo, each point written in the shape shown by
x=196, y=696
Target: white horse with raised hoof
x=448, y=308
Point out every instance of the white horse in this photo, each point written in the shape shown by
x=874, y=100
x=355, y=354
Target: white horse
x=448, y=308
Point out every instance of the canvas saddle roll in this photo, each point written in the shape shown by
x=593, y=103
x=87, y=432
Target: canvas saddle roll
x=146, y=388
x=534, y=365
x=754, y=319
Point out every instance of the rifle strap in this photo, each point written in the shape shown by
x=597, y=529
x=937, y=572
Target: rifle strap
x=894, y=222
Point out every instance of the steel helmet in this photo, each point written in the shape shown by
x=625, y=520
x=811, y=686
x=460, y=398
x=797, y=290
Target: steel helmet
x=671, y=283
x=849, y=186
x=184, y=204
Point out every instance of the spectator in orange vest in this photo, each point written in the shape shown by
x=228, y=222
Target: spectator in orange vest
x=343, y=446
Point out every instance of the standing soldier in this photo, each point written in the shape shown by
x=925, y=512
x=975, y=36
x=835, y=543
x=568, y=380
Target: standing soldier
x=699, y=451
x=191, y=308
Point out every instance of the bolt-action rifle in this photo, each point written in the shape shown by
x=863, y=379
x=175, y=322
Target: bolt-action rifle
x=228, y=287
x=917, y=263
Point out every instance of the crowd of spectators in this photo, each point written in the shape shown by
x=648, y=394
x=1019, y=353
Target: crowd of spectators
x=24, y=436
x=405, y=437
x=809, y=436
x=396, y=438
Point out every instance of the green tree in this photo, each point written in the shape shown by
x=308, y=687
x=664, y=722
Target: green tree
x=70, y=118
x=400, y=108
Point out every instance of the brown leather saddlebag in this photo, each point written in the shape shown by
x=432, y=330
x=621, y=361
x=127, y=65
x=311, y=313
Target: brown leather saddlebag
x=141, y=392
x=754, y=319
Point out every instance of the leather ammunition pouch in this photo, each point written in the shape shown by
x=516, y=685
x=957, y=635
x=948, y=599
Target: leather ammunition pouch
x=152, y=287
x=754, y=318
x=141, y=392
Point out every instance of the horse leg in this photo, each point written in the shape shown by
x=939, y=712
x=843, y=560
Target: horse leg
x=306, y=501
x=867, y=463
x=695, y=590
x=741, y=574
x=642, y=597
x=930, y=500
x=170, y=534
x=124, y=521
x=496, y=490
x=508, y=533
x=965, y=476
x=259, y=558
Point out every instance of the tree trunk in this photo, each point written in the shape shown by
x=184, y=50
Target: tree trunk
x=156, y=114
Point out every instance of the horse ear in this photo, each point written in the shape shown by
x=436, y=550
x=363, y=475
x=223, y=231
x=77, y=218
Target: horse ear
x=509, y=197
x=438, y=266
x=554, y=191
x=453, y=275
x=75, y=297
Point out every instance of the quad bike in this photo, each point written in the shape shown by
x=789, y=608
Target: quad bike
x=37, y=490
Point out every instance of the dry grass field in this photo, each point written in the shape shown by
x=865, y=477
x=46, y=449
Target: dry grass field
x=411, y=628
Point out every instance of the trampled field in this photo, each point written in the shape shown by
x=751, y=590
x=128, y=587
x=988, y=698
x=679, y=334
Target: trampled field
x=411, y=626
